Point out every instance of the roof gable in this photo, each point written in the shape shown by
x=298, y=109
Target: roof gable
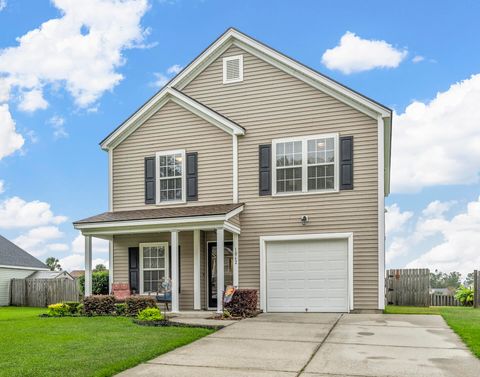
x=12, y=255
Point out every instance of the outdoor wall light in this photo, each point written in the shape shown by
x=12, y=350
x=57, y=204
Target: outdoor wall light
x=304, y=219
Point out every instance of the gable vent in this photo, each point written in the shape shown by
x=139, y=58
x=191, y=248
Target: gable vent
x=232, y=69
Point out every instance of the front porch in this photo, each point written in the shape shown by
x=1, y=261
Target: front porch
x=195, y=247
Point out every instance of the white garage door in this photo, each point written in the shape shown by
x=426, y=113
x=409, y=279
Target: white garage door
x=307, y=276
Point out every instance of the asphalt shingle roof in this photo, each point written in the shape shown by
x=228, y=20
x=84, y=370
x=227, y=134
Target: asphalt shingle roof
x=12, y=255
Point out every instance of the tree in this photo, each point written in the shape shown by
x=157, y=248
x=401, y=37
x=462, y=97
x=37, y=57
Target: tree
x=100, y=267
x=99, y=283
x=53, y=264
x=440, y=279
x=469, y=280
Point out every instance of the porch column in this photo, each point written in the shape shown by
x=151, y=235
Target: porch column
x=88, y=266
x=110, y=264
x=220, y=272
x=196, y=269
x=235, y=259
x=175, y=294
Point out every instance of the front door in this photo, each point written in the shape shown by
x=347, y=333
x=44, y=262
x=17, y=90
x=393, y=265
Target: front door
x=212, y=270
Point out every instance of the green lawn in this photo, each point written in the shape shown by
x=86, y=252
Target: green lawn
x=464, y=321
x=80, y=346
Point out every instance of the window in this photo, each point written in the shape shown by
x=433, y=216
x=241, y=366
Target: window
x=232, y=69
x=153, y=266
x=171, y=177
x=305, y=164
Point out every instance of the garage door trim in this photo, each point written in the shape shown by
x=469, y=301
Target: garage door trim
x=299, y=237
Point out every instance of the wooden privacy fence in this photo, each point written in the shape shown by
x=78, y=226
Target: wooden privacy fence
x=443, y=300
x=409, y=287
x=43, y=292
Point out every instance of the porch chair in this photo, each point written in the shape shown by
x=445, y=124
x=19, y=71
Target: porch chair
x=121, y=291
x=165, y=295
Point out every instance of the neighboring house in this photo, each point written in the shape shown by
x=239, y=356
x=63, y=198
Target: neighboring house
x=253, y=170
x=77, y=273
x=15, y=263
x=443, y=291
x=51, y=275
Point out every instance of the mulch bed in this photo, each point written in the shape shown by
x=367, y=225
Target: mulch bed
x=175, y=324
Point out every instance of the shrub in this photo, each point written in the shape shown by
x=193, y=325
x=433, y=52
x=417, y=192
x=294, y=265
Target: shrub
x=99, y=283
x=135, y=304
x=150, y=314
x=464, y=295
x=58, y=310
x=243, y=304
x=120, y=308
x=72, y=307
x=99, y=305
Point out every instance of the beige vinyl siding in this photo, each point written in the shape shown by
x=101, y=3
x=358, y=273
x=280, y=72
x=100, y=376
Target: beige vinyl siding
x=235, y=220
x=6, y=275
x=271, y=104
x=172, y=128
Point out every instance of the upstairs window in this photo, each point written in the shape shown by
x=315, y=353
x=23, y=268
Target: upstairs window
x=171, y=177
x=232, y=69
x=305, y=164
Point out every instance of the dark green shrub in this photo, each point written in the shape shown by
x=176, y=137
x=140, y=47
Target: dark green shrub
x=120, y=308
x=99, y=305
x=72, y=307
x=243, y=304
x=99, y=283
x=150, y=314
x=58, y=310
x=135, y=304
x=464, y=295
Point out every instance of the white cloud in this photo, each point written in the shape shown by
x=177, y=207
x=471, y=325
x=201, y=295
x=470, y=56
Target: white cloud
x=32, y=100
x=438, y=143
x=35, y=241
x=355, y=54
x=17, y=213
x=437, y=208
x=57, y=247
x=98, y=245
x=82, y=48
x=2, y=186
x=460, y=237
x=418, y=59
x=10, y=140
x=77, y=262
x=3, y=4
x=174, y=69
x=395, y=220
x=57, y=122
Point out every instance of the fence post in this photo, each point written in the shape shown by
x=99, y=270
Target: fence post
x=475, y=289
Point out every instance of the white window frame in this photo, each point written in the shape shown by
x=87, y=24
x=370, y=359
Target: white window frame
x=150, y=244
x=157, y=177
x=240, y=68
x=304, y=140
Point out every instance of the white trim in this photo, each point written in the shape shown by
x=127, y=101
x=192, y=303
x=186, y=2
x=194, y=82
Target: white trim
x=235, y=168
x=158, y=179
x=24, y=268
x=175, y=272
x=381, y=216
x=110, y=264
x=156, y=103
x=110, y=180
x=88, y=266
x=220, y=268
x=304, y=140
x=240, y=69
x=196, y=271
x=236, y=211
x=294, y=237
x=140, y=257
x=235, y=259
x=231, y=228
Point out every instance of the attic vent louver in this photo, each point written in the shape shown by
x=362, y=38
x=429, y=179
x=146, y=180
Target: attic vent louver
x=232, y=69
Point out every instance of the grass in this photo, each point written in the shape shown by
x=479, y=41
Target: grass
x=80, y=346
x=464, y=321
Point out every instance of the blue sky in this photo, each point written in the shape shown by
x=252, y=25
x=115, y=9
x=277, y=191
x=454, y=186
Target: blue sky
x=62, y=99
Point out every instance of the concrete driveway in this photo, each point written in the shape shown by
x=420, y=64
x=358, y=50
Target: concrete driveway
x=322, y=345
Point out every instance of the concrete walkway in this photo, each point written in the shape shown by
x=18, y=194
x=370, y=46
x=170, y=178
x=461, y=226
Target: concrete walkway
x=322, y=345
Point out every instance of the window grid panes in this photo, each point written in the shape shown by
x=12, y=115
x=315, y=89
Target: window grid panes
x=289, y=166
x=321, y=164
x=154, y=262
x=171, y=170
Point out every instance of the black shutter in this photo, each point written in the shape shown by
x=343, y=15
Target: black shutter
x=192, y=176
x=134, y=269
x=265, y=169
x=179, y=269
x=346, y=163
x=149, y=180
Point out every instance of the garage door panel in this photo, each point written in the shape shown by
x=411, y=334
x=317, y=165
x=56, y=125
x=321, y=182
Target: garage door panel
x=307, y=275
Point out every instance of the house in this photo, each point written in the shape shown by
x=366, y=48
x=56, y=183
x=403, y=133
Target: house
x=15, y=263
x=51, y=275
x=253, y=170
x=77, y=273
